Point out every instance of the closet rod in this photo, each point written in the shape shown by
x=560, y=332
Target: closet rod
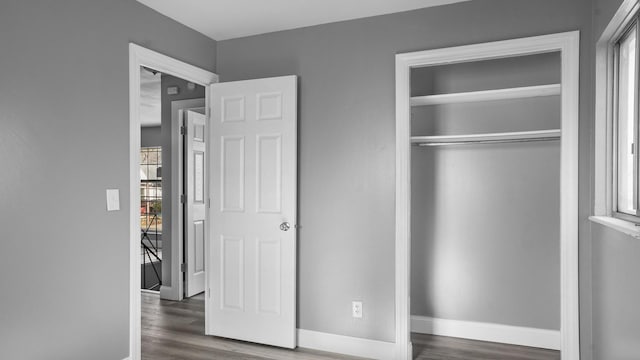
x=535, y=135
x=501, y=141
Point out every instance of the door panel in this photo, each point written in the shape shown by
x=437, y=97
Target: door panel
x=269, y=276
x=232, y=291
x=269, y=173
x=253, y=184
x=195, y=209
x=232, y=174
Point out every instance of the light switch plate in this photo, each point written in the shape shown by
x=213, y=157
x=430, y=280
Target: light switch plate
x=113, y=199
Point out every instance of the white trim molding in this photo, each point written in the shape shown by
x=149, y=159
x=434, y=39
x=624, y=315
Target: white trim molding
x=568, y=46
x=506, y=334
x=403, y=348
x=139, y=56
x=346, y=345
x=604, y=100
x=625, y=227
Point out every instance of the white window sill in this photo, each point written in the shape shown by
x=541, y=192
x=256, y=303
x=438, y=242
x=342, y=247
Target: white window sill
x=626, y=227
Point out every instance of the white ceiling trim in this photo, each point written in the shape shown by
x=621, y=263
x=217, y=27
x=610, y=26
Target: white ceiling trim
x=228, y=19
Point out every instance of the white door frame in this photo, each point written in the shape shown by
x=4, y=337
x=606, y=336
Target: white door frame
x=140, y=56
x=568, y=46
x=173, y=292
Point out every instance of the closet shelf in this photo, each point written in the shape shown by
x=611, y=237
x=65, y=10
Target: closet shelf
x=517, y=136
x=488, y=95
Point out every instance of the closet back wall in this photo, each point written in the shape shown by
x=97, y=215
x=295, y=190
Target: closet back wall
x=485, y=217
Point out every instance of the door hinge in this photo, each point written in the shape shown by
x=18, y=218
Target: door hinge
x=183, y=267
x=182, y=198
x=183, y=130
x=209, y=203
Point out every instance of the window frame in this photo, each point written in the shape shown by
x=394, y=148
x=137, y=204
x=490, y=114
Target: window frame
x=632, y=24
x=603, y=172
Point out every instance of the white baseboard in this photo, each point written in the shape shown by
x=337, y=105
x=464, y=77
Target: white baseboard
x=516, y=335
x=347, y=345
x=168, y=293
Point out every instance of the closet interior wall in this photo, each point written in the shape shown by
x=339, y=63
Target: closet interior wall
x=486, y=217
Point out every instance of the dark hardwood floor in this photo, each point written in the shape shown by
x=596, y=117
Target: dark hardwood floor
x=174, y=331
x=430, y=347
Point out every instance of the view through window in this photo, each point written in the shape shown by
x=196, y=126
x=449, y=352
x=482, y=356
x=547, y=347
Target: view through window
x=626, y=100
x=151, y=216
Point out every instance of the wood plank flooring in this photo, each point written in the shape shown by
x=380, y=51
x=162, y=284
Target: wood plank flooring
x=429, y=347
x=174, y=331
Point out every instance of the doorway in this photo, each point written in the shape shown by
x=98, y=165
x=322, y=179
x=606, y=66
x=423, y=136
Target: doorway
x=169, y=103
x=253, y=140
x=150, y=180
x=165, y=103
x=185, y=79
x=174, y=288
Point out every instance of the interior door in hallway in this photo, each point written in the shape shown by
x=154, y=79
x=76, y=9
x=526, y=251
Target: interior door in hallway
x=196, y=198
x=253, y=211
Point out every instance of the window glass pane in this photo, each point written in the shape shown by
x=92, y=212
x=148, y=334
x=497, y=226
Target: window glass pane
x=150, y=190
x=626, y=123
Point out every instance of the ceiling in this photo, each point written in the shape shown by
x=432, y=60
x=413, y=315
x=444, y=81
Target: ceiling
x=228, y=19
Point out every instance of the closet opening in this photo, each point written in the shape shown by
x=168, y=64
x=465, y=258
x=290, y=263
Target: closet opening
x=485, y=205
x=486, y=199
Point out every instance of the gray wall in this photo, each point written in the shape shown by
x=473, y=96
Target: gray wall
x=485, y=218
x=150, y=136
x=167, y=166
x=64, y=139
x=485, y=233
x=347, y=141
x=615, y=266
x=603, y=11
x=616, y=295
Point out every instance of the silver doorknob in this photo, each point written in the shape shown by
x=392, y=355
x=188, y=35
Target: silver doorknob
x=285, y=226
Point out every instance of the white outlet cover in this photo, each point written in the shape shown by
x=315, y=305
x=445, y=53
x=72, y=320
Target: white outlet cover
x=356, y=309
x=113, y=199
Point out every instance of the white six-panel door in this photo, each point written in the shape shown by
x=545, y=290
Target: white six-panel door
x=196, y=194
x=252, y=264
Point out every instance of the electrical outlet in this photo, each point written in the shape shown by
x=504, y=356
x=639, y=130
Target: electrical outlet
x=356, y=309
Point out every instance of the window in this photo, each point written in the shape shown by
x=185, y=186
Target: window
x=151, y=189
x=625, y=115
x=151, y=216
x=616, y=182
